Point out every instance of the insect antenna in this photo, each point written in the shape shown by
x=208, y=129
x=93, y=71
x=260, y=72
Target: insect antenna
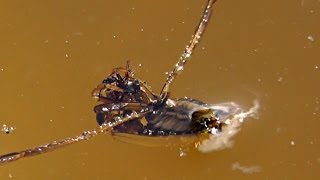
x=86, y=135
x=189, y=49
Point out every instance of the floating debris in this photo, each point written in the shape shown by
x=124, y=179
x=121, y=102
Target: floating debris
x=245, y=169
x=311, y=38
x=7, y=129
x=182, y=152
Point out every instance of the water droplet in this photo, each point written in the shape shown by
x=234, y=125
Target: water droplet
x=87, y=134
x=150, y=132
x=187, y=55
x=179, y=68
x=292, y=143
x=117, y=118
x=105, y=109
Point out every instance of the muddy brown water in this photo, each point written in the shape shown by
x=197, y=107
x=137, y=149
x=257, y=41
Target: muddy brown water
x=52, y=54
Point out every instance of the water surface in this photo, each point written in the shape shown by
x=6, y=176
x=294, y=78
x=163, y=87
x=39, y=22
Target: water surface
x=52, y=54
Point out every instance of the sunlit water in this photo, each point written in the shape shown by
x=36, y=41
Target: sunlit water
x=53, y=53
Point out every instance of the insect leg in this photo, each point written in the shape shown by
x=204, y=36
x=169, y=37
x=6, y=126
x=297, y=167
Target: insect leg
x=106, y=112
x=189, y=48
x=86, y=135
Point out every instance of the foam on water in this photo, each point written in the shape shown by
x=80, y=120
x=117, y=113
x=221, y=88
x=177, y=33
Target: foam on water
x=236, y=116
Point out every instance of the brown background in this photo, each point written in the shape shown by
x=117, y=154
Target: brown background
x=52, y=53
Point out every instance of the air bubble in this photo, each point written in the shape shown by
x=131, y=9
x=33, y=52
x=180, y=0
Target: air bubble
x=7, y=129
x=179, y=68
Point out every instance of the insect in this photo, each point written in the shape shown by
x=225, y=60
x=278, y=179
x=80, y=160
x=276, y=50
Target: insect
x=127, y=105
x=121, y=94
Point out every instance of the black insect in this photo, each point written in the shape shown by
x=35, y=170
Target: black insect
x=121, y=94
x=127, y=105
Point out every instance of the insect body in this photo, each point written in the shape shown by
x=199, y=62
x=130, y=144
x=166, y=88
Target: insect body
x=129, y=106
x=122, y=95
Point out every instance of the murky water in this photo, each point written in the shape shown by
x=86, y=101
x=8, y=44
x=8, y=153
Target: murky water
x=52, y=54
